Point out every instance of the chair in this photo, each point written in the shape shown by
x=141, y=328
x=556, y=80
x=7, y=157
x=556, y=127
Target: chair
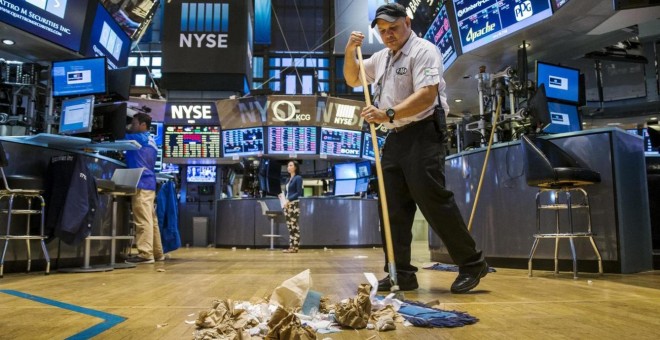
x=31, y=189
x=122, y=184
x=553, y=171
x=271, y=215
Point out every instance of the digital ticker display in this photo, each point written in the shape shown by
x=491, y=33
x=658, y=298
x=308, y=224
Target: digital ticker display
x=243, y=142
x=191, y=142
x=368, y=150
x=483, y=21
x=440, y=34
x=292, y=140
x=338, y=142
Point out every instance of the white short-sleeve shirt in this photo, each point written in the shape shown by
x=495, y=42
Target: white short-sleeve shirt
x=416, y=65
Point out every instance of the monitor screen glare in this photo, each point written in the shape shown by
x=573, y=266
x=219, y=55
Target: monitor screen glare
x=191, y=142
x=368, y=150
x=338, y=142
x=79, y=77
x=563, y=118
x=76, y=115
x=201, y=174
x=243, y=142
x=292, y=140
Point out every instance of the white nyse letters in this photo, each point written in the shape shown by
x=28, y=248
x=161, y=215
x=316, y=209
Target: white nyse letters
x=191, y=112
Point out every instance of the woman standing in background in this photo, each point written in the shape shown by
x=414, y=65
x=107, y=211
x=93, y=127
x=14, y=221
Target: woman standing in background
x=293, y=190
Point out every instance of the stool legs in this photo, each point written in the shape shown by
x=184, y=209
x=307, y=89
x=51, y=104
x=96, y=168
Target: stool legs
x=571, y=235
x=27, y=237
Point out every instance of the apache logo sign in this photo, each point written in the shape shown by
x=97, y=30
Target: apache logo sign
x=56, y=7
x=473, y=36
x=204, y=25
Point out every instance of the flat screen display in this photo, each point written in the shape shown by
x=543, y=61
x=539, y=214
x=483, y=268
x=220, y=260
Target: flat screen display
x=440, y=34
x=59, y=21
x=79, y=77
x=563, y=118
x=156, y=131
x=368, y=150
x=108, y=40
x=561, y=83
x=345, y=171
x=648, y=147
x=243, y=142
x=292, y=140
x=363, y=169
x=185, y=141
x=133, y=16
x=169, y=168
x=201, y=174
x=345, y=187
x=339, y=142
x=76, y=115
x=481, y=22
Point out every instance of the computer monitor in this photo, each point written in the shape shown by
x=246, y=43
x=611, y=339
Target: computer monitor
x=119, y=85
x=269, y=173
x=339, y=142
x=292, y=140
x=563, y=118
x=79, y=77
x=156, y=131
x=76, y=115
x=187, y=141
x=243, y=142
x=537, y=109
x=367, y=149
x=106, y=38
x=561, y=83
x=654, y=137
x=201, y=174
x=109, y=122
x=344, y=187
x=363, y=169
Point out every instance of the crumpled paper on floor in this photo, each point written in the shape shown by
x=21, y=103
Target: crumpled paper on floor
x=292, y=292
x=385, y=319
x=355, y=313
x=285, y=325
x=224, y=322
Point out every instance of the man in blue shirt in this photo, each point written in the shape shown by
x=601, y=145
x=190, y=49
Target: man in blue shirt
x=147, y=234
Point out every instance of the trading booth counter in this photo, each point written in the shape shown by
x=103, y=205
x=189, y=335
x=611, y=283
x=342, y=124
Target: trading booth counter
x=30, y=155
x=505, y=220
x=324, y=221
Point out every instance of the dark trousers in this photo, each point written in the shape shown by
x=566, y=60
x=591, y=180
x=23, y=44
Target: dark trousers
x=413, y=173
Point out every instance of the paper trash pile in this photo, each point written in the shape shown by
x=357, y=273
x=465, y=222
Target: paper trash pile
x=294, y=312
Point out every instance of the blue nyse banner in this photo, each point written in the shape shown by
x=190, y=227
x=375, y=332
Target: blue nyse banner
x=58, y=21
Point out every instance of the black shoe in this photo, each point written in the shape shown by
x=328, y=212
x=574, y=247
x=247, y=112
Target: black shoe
x=139, y=260
x=405, y=282
x=469, y=278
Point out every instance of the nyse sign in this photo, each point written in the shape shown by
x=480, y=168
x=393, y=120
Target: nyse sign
x=192, y=113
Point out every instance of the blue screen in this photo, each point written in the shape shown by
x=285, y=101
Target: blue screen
x=243, y=142
x=368, y=150
x=363, y=169
x=564, y=118
x=76, y=115
x=345, y=171
x=440, y=34
x=108, y=39
x=201, y=174
x=78, y=77
x=361, y=184
x=561, y=83
x=59, y=21
x=292, y=140
x=338, y=142
x=484, y=21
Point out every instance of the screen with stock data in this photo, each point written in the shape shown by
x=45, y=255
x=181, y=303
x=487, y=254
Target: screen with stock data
x=243, y=142
x=191, y=142
x=339, y=142
x=292, y=140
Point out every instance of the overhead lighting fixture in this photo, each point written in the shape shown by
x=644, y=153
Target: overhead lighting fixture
x=458, y=100
x=8, y=42
x=526, y=45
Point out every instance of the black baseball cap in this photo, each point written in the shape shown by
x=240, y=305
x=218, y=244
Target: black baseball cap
x=390, y=13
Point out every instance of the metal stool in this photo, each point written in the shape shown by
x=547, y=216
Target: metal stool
x=32, y=188
x=271, y=215
x=553, y=171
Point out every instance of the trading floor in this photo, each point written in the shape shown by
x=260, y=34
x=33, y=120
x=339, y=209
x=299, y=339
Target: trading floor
x=155, y=301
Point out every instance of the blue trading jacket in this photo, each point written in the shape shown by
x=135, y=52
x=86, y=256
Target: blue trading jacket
x=145, y=157
x=168, y=219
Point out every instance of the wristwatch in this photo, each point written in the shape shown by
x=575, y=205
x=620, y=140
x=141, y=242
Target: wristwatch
x=390, y=114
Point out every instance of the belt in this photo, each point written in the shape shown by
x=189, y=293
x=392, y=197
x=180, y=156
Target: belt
x=401, y=128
